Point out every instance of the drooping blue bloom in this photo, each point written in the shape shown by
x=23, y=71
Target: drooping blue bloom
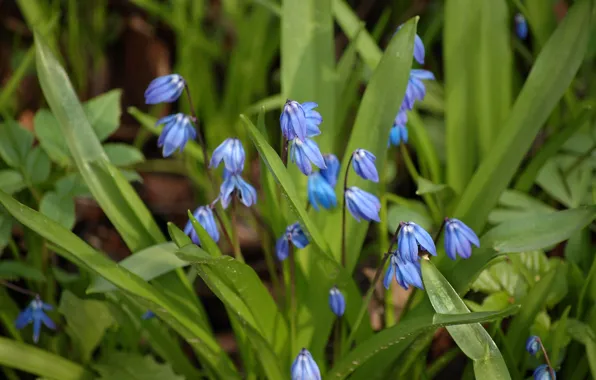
x=418, y=48
x=364, y=165
x=337, y=302
x=458, y=239
x=416, y=89
x=165, y=89
x=313, y=119
x=305, y=367
x=148, y=315
x=542, y=372
x=320, y=192
x=305, y=152
x=533, y=345
x=409, y=237
x=331, y=173
x=177, y=131
x=293, y=234
x=397, y=134
x=293, y=121
x=405, y=272
x=244, y=191
x=521, y=26
x=34, y=313
x=232, y=153
x=401, y=118
x=203, y=215
x=362, y=205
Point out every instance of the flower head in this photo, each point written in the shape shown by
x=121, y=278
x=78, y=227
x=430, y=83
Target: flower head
x=34, y=313
x=401, y=118
x=364, y=165
x=362, y=205
x=410, y=236
x=165, y=89
x=331, y=173
x=337, y=302
x=458, y=239
x=293, y=120
x=543, y=372
x=533, y=345
x=398, y=134
x=405, y=272
x=304, y=367
x=416, y=89
x=320, y=192
x=313, y=119
x=177, y=131
x=245, y=192
x=293, y=234
x=305, y=152
x=521, y=26
x=232, y=153
x=203, y=215
x=148, y=315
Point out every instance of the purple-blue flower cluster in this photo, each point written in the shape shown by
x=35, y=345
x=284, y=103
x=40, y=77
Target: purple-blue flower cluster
x=35, y=314
x=293, y=234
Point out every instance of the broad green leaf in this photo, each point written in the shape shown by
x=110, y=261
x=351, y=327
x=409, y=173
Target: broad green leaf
x=514, y=204
x=121, y=154
x=414, y=211
x=73, y=185
x=559, y=338
x=37, y=166
x=47, y=131
x=103, y=113
x=550, y=77
x=58, y=207
x=86, y=322
x=207, y=242
x=14, y=270
x=15, y=143
x=541, y=19
x=31, y=359
x=425, y=186
x=584, y=334
x=11, y=181
x=473, y=339
x=178, y=236
x=130, y=366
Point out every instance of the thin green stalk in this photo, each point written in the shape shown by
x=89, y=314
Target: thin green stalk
x=235, y=237
x=437, y=366
x=293, y=304
x=580, y=159
x=15, y=79
x=337, y=348
x=584, y=290
x=268, y=252
x=14, y=249
x=343, y=214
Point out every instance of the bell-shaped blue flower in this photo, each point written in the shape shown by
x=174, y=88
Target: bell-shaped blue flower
x=305, y=367
x=458, y=239
x=533, y=344
x=362, y=205
x=177, y=131
x=398, y=134
x=337, y=302
x=34, y=313
x=232, y=153
x=543, y=372
x=293, y=234
x=320, y=192
x=401, y=118
x=305, y=152
x=148, y=315
x=165, y=89
x=203, y=215
x=293, y=121
x=313, y=119
x=405, y=272
x=364, y=165
x=331, y=172
x=521, y=26
x=416, y=89
x=234, y=183
x=410, y=236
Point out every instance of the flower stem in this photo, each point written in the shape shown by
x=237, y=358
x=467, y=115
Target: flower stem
x=268, y=254
x=438, y=235
x=292, y=309
x=221, y=223
x=236, y=240
x=284, y=152
x=343, y=214
x=18, y=288
x=337, y=349
x=550, y=367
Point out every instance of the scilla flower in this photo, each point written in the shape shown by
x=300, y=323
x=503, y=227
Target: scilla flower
x=533, y=345
x=337, y=302
x=203, y=215
x=416, y=89
x=304, y=367
x=418, y=48
x=405, y=272
x=234, y=183
x=521, y=26
x=410, y=236
x=34, y=313
x=293, y=234
x=331, y=173
x=364, y=165
x=148, y=315
x=543, y=372
x=177, y=131
x=362, y=205
x=300, y=120
x=320, y=192
x=398, y=134
x=165, y=89
x=231, y=152
x=305, y=152
x=458, y=239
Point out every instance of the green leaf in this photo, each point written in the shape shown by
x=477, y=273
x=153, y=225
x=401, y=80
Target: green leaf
x=37, y=166
x=123, y=154
x=405, y=332
x=15, y=143
x=39, y=362
x=14, y=270
x=58, y=207
x=129, y=366
x=148, y=264
x=473, y=339
x=11, y=181
x=103, y=113
x=414, y=211
x=178, y=236
x=550, y=77
x=5, y=228
x=47, y=130
x=426, y=187
x=86, y=322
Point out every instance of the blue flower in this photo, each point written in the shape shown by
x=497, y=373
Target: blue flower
x=294, y=234
x=203, y=215
x=331, y=173
x=401, y=118
x=165, y=89
x=232, y=153
x=533, y=345
x=405, y=272
x=418, y=48
x=313, y=119
x=148, y=315
x=245, y=192
x=320, y=192
x=458, y=239
x=305, y=152
x=397, y=134
x=34, y=313
x=304, y=367
x=364, y=165
x=542, y=372
x=410, y=235
x=521, y=26
x=337, y=302
x=416, y=89
x=362, y=205
x=177, y=131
